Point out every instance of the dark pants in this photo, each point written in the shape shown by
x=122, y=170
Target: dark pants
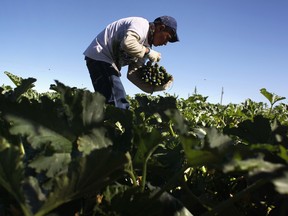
x=106, y=80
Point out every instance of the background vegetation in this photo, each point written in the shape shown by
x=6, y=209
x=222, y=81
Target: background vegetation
x=66, y=152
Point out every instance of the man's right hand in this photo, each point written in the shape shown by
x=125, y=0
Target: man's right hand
x=154, y=56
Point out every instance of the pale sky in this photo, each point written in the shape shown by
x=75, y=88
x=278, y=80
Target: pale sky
x=238, y=45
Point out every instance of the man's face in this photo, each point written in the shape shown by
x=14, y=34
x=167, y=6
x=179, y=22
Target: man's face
x=162, y=35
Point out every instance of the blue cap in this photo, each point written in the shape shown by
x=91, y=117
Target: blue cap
x=170, y=22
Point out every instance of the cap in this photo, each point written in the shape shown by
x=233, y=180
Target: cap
x=170, y=22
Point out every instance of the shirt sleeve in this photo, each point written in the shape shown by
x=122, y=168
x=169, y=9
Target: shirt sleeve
x=131, y=45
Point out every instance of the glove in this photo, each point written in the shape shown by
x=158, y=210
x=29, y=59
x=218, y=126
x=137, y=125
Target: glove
x=154, y=56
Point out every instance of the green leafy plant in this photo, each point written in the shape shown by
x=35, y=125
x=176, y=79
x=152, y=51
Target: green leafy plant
x=73, y=154
x=272, y=98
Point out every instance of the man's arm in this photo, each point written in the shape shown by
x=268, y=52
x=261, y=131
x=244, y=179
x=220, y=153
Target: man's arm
x=131, y=45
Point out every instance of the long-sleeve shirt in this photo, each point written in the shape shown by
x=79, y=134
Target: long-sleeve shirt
x=121, y=43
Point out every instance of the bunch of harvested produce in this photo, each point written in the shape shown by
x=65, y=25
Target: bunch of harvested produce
x=154, y=74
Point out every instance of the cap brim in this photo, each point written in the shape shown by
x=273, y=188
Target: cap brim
x=174, y=39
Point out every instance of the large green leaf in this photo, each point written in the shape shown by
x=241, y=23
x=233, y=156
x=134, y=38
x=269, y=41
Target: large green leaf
x=43, y=163
x=119, y=124
x=82, y=108
x=145, y=143
x=23, y=87
x=281, y=183
x=12, y=173
x=180, y=123
x=86, y=177
x=10, y=159
x=45, y=113
x=96, y=139
x=212, y=150
x=273, y=98
x=253, y=166
x=15, y=79
x=38, y=135
x=256, y=131
x=196, y=156
x=143, y=203
x=93, y=108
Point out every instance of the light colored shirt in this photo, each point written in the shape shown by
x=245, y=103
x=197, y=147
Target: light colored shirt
x=121, y=43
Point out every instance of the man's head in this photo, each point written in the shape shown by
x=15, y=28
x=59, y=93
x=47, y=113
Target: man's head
x=165, y=30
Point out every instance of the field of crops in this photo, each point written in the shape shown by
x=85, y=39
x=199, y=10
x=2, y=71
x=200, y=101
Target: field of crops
x=66, y=152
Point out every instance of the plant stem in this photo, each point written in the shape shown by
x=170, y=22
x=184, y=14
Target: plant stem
x=171, y=129
x=25, y=210
x=130, y=171
x=144, y=173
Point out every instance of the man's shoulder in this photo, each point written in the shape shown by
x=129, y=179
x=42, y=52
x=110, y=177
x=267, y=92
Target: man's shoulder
x=134, y=19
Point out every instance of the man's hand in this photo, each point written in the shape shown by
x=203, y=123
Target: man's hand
x=154, y=56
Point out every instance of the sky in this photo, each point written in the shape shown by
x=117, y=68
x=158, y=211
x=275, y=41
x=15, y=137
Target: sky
x=228, y=49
